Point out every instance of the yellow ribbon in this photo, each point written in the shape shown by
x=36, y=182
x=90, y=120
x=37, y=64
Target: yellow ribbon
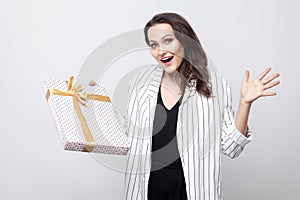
x=79, y=97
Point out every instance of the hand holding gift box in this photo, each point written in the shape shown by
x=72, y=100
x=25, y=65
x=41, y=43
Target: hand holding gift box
x=85, y=118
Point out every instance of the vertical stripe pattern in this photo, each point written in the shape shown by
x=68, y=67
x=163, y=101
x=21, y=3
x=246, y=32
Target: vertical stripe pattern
x=205, y=130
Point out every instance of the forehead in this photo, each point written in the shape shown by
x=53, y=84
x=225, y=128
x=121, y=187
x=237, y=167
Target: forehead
x=158, y=31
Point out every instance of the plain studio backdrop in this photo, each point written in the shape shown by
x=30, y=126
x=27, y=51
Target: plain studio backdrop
x=52, y=39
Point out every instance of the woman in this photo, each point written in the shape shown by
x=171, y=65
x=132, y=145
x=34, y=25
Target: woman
x=180, y=119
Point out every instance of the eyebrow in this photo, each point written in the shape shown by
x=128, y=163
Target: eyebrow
x=168, y=34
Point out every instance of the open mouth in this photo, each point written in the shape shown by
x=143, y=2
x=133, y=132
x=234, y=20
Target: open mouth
x=167, y=59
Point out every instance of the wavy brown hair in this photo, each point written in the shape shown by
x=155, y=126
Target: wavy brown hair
x=194, y=63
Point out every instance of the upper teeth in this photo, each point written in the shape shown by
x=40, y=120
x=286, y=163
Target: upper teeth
x=165, y=58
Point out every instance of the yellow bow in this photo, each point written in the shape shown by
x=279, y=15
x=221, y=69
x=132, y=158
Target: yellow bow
x=81, y=98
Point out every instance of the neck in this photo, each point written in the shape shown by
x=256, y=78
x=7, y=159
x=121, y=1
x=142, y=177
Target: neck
x=172, y=81
x=171, y=78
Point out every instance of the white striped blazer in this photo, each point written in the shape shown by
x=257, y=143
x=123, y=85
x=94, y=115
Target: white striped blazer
x=205, y=128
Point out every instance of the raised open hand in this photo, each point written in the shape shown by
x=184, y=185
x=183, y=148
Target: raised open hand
x=252, y=90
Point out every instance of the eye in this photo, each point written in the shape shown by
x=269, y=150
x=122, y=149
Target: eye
x=168, y=40
x=153, y=45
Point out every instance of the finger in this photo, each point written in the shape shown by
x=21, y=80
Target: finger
x=270, y=85
x=264, y=73
x=266, y=94
x=92, y=83
x=271, y=78
x=246, y=76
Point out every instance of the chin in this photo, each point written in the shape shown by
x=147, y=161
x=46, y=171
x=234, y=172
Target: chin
x=170, y=69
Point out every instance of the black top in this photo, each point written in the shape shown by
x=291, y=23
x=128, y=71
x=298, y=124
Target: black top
x=164, y=142
x=166, y=179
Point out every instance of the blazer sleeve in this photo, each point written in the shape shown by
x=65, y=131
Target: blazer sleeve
x=233, y=141
x=130, y=101
x=124, y=117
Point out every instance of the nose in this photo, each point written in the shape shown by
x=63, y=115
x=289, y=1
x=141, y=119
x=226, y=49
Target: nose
x=161, y=51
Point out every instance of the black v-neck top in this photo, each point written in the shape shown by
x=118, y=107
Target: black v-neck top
x=164, y=142
x=166, y=179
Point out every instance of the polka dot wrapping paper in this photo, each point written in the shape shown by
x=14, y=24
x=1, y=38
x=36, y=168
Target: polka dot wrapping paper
x=103, y=122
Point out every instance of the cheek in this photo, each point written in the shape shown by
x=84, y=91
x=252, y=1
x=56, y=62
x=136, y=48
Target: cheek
x=181, y=51
x=154, y=53
x=179, y=55
x=176, y=48
x=178, y=60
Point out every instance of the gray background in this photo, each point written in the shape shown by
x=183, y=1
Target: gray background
x=41, y=39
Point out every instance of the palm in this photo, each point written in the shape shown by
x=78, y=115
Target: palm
x=252, y=90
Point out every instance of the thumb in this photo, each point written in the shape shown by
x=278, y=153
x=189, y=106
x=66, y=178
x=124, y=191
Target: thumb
x=246, y=76
x=92, y=83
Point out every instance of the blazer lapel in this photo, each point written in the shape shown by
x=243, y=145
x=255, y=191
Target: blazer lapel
x=154, y=85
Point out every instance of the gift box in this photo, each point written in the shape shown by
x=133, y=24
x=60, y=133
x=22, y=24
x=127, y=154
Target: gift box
x=85, y=117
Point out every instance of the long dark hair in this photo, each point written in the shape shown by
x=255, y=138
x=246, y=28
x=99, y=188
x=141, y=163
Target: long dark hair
x=194, y=63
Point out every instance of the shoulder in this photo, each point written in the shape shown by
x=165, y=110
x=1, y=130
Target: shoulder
x=147, y=70
x=145, y=73
x=215, y=76
x=219, y=85
x=216, y=79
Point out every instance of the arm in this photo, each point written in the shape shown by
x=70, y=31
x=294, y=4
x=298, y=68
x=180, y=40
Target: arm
x=250, y=91
x=242, y=116
x=233, y=141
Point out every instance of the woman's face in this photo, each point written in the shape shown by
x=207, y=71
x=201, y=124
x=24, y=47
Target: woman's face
x=164, y=47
